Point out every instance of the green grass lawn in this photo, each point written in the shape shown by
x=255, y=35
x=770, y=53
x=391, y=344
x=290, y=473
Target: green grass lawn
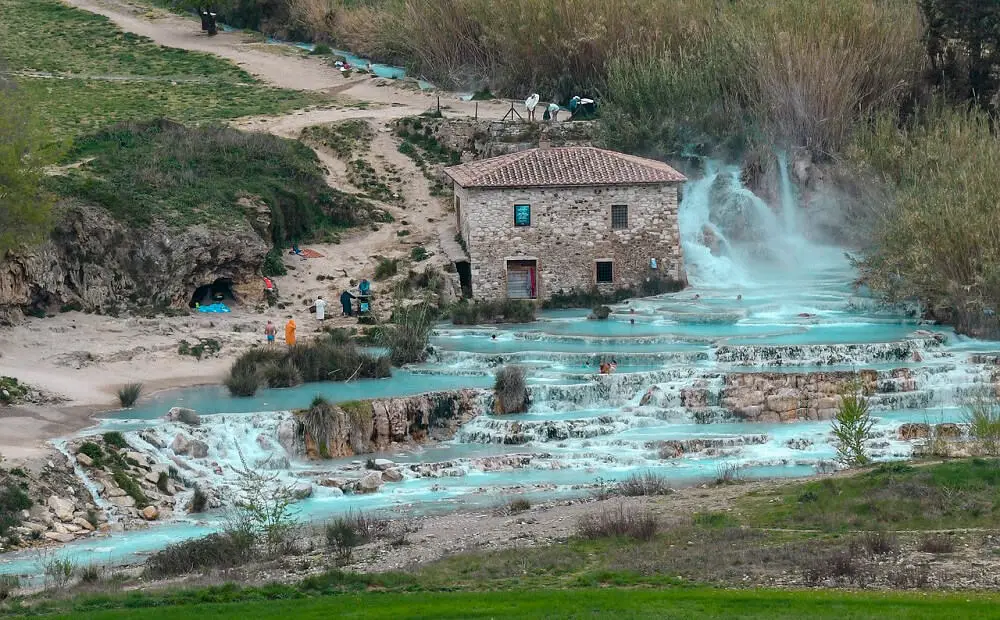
x=893, y=496
x=104, y=75
x=586, y=603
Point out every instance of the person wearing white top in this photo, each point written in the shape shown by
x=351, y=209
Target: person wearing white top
x=320, y=308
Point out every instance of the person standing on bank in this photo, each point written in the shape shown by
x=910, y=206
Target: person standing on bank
x=290, y=332
x=345, y=302
x=270, y=331
x=320, y=309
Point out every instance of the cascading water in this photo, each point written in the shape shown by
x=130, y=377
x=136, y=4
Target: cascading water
x=763, y=303
x=730, y=237
x=789, y=205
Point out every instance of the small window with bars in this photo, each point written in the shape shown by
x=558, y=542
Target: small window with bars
x=605, y=272
x=619, y=217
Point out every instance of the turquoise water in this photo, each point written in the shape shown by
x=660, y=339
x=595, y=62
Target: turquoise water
x=780, y=304
x=216, y=399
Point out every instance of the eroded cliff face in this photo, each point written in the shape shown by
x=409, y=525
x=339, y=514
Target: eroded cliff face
x=363, y=427
x=93, y=262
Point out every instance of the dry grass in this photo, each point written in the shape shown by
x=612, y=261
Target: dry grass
x=646, y=483
x=939, y=239
x=619, y=521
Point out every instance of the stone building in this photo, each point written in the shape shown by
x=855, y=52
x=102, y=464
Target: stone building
x=554, y=219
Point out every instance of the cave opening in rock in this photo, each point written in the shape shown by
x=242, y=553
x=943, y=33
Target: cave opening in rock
x=219, y=291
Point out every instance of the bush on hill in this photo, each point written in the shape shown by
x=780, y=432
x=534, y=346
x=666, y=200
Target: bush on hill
x=160, y=170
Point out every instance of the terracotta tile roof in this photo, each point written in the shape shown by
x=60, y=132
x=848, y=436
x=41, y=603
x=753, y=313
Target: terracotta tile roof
x=563, y=167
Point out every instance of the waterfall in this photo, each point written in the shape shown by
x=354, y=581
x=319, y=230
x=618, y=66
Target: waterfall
x=789, y=205
x=704, y=267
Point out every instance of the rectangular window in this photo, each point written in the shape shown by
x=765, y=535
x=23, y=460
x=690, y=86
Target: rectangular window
x=605, y=272
x=619, y=217
x=522, y=215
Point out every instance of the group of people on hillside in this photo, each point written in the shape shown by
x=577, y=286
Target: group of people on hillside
x=271, y=331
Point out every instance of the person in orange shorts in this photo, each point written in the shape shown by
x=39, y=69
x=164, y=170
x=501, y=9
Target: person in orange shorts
x=290, y=332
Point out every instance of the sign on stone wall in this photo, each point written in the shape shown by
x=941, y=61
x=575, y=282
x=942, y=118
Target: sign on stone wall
x=522, y=215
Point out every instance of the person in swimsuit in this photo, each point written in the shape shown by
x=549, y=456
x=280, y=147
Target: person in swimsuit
x=270, y=331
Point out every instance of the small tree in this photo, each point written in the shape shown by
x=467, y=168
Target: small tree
x=262, y=509
x=852, y=426
x=982, y=414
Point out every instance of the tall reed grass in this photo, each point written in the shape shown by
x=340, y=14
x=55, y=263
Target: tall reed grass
x=786, y=73
x=938, y=240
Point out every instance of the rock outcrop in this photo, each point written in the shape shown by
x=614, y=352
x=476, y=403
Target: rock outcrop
x=184, y=415
x=94, y=262
x=361, y=427
x=784, y=397
x=62, y=511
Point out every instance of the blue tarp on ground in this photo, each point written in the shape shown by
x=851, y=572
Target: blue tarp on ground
x=216, y=307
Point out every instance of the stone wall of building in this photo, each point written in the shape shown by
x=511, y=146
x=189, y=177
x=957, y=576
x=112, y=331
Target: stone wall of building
x=570, y=230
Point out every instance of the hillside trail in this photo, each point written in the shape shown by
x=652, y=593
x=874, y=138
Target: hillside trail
x=376, y=100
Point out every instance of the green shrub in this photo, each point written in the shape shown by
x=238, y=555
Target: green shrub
x=114, y=439
x=152, y=179
x=13, y=500
x=852, y=427
x=486, y=312
x=280, y=374
x=274, y=263
x=386, y=268
x=199, y=501
x=129, y=393
x=647, y=483
x=321, y=49
x=510, y=391
x=90, y=573
x=578, y=298
x=419, y=254
x=518, y=505
x=409, y=333
x=600, y=313
x=327, y=358
x=11, y=391
x=346, y=532
x=92, y=450
x=128, y=484
x=163, y=482
x=215, y=551
x=242, y=380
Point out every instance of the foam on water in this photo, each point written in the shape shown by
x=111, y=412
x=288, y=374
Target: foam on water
x=765, y=300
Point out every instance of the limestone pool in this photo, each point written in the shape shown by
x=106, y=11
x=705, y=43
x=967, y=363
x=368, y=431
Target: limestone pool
x=779, y=305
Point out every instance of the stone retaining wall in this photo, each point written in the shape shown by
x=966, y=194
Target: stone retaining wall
x=786, y=397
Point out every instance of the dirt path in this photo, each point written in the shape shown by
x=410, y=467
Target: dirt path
x=284, y=70
x=170, y=30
